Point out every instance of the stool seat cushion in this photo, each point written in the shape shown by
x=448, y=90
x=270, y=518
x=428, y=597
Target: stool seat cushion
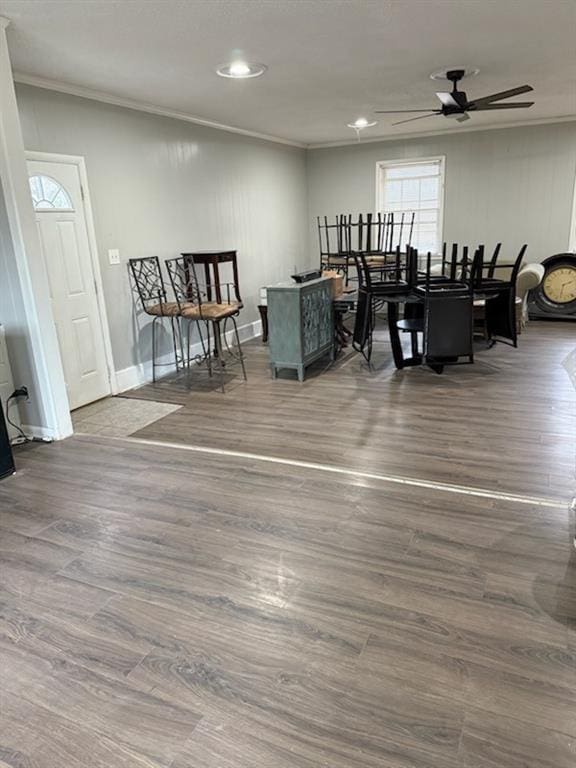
x=165, y=309
x=211, y=311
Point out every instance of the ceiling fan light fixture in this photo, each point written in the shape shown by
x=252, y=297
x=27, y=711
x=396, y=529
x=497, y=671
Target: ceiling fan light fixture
x=241, y=70
x=441, y=73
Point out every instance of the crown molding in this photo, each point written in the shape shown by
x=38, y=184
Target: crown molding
x=451, y=131
x=140, y=106
x=119, y=101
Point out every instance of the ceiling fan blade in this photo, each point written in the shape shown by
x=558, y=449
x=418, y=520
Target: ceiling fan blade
x=448, y=100
x=512, y=105
x=399, y=111
x=463, y=118
x=503, y=95
x=411, y=119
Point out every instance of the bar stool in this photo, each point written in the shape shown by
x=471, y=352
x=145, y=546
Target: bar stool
x=149, y=285
x=195, y=305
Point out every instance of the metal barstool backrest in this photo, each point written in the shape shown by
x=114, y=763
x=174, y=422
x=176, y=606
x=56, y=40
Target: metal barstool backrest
x=182, y=274
x=148, y=281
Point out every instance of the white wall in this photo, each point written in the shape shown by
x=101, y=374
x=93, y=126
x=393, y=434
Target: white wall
x=161, y=186
x=514, y=185
x=25, y=309
x=14, y=323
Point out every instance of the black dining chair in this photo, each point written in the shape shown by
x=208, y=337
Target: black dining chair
x=444, y=314
x=379, y=236
x=375, y=289
x=499, y=293
x=454, y=263
x=454, y=266
x=148, y=283
x=334, y=253
x=448, y=327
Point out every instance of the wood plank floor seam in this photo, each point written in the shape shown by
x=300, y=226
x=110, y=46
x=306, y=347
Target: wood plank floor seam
x=538, y=501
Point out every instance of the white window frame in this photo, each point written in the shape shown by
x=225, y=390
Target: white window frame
x=383, y=165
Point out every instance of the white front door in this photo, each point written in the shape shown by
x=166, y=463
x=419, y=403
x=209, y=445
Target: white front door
x=60, y=216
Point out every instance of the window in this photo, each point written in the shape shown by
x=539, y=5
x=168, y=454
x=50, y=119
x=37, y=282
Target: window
x=49, y=195
x=414, y=186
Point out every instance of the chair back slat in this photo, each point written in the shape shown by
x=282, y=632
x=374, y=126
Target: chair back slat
x=494, y=259
x=518, y=263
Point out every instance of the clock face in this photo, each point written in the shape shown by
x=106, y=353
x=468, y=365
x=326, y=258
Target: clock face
x=559, y=285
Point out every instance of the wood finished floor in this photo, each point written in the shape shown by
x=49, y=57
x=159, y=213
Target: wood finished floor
x=505, y=423
x=167, y=609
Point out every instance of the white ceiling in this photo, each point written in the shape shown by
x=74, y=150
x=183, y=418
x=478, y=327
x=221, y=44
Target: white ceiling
x=329, y=61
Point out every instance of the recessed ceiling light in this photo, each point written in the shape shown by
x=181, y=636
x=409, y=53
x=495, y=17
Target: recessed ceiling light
x=362, y=122
x=441, y=74
x=241, y=70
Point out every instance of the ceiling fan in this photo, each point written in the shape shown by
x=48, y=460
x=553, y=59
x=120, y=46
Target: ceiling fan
x=456, y=105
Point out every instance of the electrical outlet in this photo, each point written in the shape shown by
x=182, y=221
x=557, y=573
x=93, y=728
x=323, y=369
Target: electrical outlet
x=114, y=256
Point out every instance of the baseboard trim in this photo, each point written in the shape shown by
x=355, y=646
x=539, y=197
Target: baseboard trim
x=141, y=373
x=42, y=433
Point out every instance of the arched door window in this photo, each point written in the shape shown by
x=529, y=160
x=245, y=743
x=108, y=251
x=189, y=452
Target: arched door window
x=49, y=195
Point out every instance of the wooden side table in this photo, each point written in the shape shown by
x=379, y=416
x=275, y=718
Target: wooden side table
x=211, y=261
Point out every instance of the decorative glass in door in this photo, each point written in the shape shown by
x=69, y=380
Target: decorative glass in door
x=49, y=195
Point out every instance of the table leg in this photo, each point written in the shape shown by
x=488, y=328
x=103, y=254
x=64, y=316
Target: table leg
x=414, y=343
x=207, y=278
x=341, y=333
x=397, y=353
x=216, y=271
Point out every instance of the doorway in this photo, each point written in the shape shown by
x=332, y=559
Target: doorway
x=59, y=191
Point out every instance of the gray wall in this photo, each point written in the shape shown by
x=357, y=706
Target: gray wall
x=161, y=186
x=514, y=185
x=13, y=318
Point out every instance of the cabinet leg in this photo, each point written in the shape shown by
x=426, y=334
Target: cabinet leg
x=263, y=309
x=300, y=373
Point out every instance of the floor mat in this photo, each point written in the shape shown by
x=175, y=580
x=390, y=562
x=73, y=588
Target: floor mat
x=119, y=416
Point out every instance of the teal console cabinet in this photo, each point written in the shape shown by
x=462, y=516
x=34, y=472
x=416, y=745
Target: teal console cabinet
x=301, y=324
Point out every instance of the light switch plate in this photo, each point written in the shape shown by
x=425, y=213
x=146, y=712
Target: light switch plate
x=114, y=256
